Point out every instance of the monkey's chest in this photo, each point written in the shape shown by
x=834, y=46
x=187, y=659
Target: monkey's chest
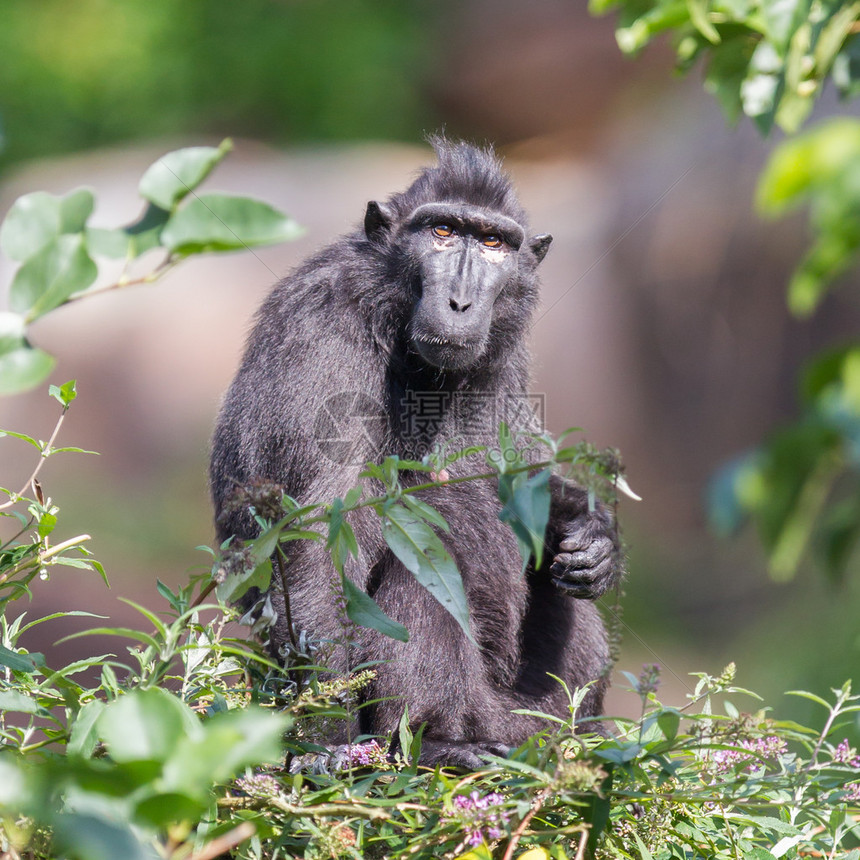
x=484, y=550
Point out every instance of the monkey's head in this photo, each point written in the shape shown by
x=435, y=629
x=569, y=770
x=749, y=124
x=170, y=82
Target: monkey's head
x=460, y=236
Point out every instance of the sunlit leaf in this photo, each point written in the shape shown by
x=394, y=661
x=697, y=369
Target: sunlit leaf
x=95, y=838
x=222, y=747
x=217, y=222
x=12, y=329
x=363, y=610
x=65, y=393
x=48, y=278
x=526, y=510
x=20, y=662
x=84, y=735
x=24, y=368
x=421, y=551
x=178, y=173
x=39, y=218
x=146, y=725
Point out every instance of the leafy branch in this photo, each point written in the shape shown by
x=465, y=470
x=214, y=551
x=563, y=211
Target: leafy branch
x=52, y=240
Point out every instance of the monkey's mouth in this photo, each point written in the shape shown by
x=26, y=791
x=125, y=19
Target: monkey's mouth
x=448, y=353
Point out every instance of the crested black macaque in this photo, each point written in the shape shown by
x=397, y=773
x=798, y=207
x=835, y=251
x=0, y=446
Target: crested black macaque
x=429, y=302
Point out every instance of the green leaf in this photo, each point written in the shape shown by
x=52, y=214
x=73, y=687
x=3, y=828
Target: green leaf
x=226, y=743
x=404, y=733
x=39, y=218
x=803, y=694
x=757, y=853
x=146, y=725
x=426, y=512
x=20, y=662
x=12, y=329
x=178, y=173
x=526, y=510
x=49, y=277
x=698, y=10
x=13, y=790
x=846, y=69
x=782, y=18
x=12, y=700
x=217, y=222
x=66, y=393
x=47, y=523
x=669, y=720
x=726, y=72
x=422, y=553
x=238, y=584
x=834, y=33
x=95, y=838
x=84, y=735
x=162, y=809
x=341, y=542
x=112, y=244
x=145, y=233
x=23, y=369
x=75, y=210
x=363, y=610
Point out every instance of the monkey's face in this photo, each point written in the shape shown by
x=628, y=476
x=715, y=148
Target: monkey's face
x=463, y=258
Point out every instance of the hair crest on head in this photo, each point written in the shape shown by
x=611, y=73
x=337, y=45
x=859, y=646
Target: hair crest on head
x=464, y=173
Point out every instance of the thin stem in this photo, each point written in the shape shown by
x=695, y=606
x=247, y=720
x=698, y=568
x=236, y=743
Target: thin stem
x=44, y=454
x=60, y=547
x=318, y=810
x=161, y=269
x=17, y=534
x=221, y=845
x=834, y=712
x=540, y=798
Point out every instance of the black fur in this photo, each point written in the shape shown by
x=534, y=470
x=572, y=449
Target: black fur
x=385, y=314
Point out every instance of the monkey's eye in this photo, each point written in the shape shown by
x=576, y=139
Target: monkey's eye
x=443, y=231
x=492, y=241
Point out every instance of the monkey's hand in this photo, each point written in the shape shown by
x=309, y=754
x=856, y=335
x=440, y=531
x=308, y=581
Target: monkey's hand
x=588, y=562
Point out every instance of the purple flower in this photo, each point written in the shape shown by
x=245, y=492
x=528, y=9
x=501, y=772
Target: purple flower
x=853, y=795
x=366, y=754
x=649, y=679
x=481, y=817
x=768, y=748
x=844, y=754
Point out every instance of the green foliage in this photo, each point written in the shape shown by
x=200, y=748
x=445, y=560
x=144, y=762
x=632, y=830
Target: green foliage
x=769, y=59
x=819, y=169
x=79, y=77
x=51, y=239
x=766, y=59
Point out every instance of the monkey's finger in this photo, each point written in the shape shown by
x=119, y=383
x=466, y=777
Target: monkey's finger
x=598, y=552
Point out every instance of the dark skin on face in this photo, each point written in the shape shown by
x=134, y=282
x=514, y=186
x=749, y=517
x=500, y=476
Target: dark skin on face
x=464, y=256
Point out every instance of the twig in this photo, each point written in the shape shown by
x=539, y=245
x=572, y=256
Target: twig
x=580, y=849
x=540, y=798
x=43, y=455
x=320, y=810
x=161, y=269
x=224, y=843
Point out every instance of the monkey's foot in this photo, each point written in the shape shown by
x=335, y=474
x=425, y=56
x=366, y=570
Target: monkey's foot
x=464, y=755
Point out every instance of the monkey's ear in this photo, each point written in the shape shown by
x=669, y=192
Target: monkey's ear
x=540, y=245
x=377, y=221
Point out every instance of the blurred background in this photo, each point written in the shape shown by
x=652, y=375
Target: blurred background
x=663, y=329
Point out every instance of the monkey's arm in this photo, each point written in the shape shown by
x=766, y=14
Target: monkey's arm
x=583, y=544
